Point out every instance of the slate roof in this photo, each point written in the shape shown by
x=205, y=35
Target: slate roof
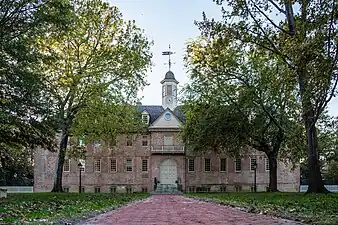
x=156, y=110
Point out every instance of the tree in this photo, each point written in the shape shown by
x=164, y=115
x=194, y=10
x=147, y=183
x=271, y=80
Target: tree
x=25, y=118
x=236, y=100
x=304, y=37
x=99, y=55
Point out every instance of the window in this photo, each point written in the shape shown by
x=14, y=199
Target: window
x=129, y=140
x=169, y=89
x=238, y=188
x=191, y=165
x=238, y=165
x=252, y=189
x=97, y=190
x=144, y=165
x=144, y=190
x=66, y=189
x=267, y=164
x=66, y=165
x=223, y=189
x=97, y=165
x=145, y=119
x=83, y=163
x=82, y=189
x=191, y=189
x=168, y=140
x=253, y=163
x=81, y=142
x=207, y=166
x=97, y=146
x=113, y=165
x=223, y=163
x=113, y=190
x=129, y=190
x=129, y=165
x=163, y=91
x=144, y=140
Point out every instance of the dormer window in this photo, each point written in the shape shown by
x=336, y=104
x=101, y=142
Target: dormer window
x=145, y=118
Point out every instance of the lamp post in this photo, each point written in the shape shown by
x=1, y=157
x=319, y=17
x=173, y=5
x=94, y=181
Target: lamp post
x=80, y=168
x=255, y=176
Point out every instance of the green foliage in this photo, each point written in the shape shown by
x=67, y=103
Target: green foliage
x=310, y=208
x=16, y=167
x=25, y=116
x=236, y=98
x=47, y=208
x=302, y=35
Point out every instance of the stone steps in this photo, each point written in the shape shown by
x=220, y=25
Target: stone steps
x=169, y=189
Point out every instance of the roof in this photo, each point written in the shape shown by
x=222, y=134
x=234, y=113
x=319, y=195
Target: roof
x=156, y=110
x=169, y=76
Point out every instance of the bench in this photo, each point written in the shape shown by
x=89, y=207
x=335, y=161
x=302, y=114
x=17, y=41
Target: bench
x=3, y=193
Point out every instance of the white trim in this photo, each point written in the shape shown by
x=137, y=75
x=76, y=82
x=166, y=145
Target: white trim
x=189, y=165
x=132, y=167
x=97, y=171
x=110, y=164
x=251, y=163
x=266, y=163
x=63, y=168
x=205, y=164
x=238, y=171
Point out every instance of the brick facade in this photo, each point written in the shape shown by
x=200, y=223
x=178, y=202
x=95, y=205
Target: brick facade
x=138, y=180
x=136, y=166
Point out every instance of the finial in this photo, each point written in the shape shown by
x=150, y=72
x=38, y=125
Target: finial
x=168, y=53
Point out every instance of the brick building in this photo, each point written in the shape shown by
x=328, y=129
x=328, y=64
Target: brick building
x=133, y=162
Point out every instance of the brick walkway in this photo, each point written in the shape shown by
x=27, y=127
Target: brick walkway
x=178, y=210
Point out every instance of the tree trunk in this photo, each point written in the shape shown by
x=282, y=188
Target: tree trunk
x=272, y=156
x=61, y=159
x=316, y=184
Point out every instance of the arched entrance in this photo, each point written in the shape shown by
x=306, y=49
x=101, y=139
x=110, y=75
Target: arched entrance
x=168, y=172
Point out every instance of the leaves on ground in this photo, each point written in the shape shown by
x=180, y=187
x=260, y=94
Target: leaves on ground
x=48, y=208
x=310, y=208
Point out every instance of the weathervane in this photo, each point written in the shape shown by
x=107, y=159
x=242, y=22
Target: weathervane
x=168, y=53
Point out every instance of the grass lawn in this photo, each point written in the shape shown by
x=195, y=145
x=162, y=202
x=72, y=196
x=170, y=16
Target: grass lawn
x=309, y=208
x=51, y=208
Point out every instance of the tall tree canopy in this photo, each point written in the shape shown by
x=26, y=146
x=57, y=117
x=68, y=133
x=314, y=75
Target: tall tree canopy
x=25, y=116
x=303, y=34
x=99, y=58
x=236, y=101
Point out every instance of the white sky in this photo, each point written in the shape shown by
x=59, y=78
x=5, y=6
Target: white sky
x=171, y=22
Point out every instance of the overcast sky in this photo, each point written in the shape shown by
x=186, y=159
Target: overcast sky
x=170, y=22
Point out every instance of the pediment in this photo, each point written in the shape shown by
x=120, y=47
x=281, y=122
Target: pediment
x=166, y=120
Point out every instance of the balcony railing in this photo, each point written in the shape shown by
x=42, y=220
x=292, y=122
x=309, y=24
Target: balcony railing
x=167, y=149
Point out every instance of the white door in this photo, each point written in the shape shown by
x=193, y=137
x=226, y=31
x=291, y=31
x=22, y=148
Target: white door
x=168, y=172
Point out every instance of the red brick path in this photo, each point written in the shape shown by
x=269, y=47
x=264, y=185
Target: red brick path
x=178, y=210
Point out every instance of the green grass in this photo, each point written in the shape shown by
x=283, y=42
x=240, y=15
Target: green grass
x=310, y=208
x=51, y=208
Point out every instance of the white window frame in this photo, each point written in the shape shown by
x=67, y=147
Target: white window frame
x=193, y=163
x=144, y=160
x=95, y=161
x=240, y=160
x=220, y=165
x=68, y=163
x=206, y=164
x=266, y=164
x=111, y=164
x=127, y=165
x=251, y=163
